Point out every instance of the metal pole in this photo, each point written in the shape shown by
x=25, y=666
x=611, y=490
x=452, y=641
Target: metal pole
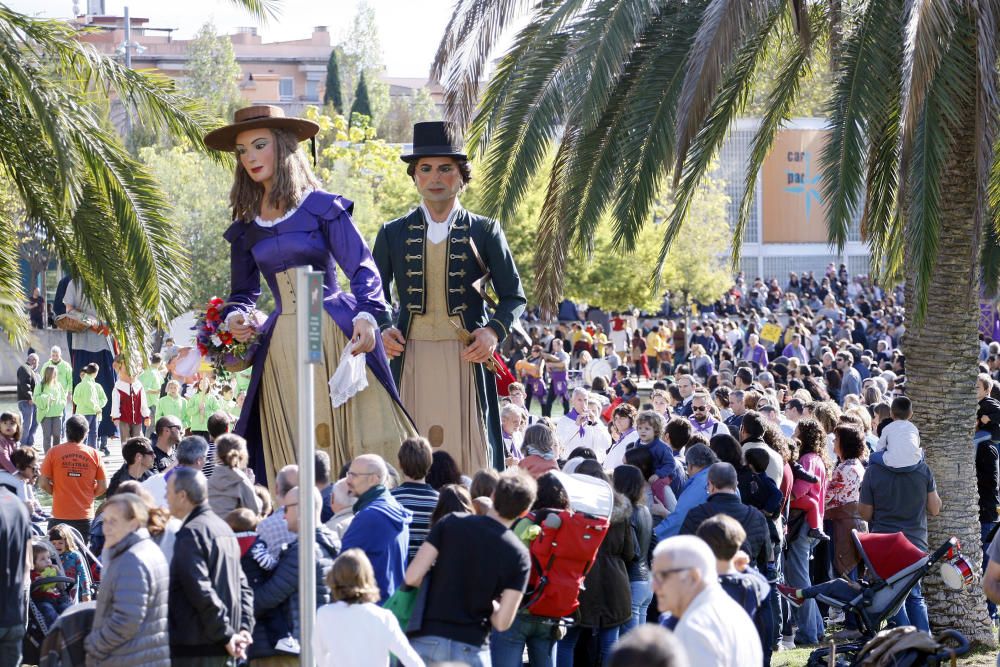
x=309, y=304
x=128, y=40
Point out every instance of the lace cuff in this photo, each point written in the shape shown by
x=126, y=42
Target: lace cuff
x=367, y=317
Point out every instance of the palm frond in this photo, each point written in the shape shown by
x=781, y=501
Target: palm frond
x=722, y=29
x=100, y=209
x=986, y=14
x=262, y=10
x=13, y=315
x=602, y=159
x=608, y=35
x=948, y=101
x=928, y=29
x=881, y=224
x=726, y=107
x=646, y=130
x=990, y=261
x=780, y=99
x=533, y=109
x=552, y=248
x=472, y=33
x=866, y=83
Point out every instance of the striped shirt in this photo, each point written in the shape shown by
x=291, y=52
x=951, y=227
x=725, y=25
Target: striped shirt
x=421, y=499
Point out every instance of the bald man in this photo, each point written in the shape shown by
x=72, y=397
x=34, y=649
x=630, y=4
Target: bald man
x=381, y=526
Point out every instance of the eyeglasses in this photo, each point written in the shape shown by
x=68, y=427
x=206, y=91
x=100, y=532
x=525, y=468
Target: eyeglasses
x=662, y=575
x=699, y=408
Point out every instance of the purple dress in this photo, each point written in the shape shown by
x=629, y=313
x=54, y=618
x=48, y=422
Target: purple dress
x=320, y=234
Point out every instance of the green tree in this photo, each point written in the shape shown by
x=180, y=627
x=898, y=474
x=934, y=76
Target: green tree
x=632, y=92
x=361, y=50
x=213, y=75
x=405, y=110
x=361, y=105
x=333, y=94
x=198, y=189
x=100, y=209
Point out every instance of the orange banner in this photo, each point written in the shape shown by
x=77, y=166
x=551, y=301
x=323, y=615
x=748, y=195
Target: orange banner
x=793, y=207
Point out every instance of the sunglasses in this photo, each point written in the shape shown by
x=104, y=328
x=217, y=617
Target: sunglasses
x=699, y=408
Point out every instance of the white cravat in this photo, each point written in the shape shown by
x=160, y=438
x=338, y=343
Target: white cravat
x=438, y=231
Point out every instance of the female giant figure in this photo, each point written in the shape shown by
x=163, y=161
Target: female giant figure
x=283, y=221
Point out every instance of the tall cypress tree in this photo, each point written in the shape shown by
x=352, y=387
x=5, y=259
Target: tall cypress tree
x=333, y=94
x=361, y=103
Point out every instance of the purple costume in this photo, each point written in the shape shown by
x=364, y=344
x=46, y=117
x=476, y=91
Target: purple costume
x=321, y=234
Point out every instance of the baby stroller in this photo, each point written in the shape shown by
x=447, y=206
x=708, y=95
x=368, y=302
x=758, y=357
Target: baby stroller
x=893, y=567
x=38, y=628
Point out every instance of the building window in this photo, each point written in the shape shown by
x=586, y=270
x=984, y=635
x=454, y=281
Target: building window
x=312, y=91
x=286, y=88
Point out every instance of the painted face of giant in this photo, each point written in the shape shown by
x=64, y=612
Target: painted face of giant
x=255, y=149
x=438, y=178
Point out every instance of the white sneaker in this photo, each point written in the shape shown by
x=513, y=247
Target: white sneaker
x=837, y=617
x=288, y=645
x=787, y=643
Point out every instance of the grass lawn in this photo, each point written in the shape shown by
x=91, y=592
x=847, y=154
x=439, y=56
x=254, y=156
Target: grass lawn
x=799, y=656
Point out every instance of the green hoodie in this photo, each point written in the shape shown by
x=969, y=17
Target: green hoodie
x=172, y=407
x=89, y=396
x=50, y=400
x=151, y=381
x=199, y=408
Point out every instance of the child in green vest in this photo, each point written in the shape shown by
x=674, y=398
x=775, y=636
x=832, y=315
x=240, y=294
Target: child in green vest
x=50, y=399
x=173, y=404
x=151, y=379
x=202, y=405
x=228, y=404
x=90, y=399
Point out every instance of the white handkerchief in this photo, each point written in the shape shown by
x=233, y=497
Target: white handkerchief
x=350, y=377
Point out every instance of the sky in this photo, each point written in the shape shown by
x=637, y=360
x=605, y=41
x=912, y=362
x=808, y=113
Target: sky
x=409, y=29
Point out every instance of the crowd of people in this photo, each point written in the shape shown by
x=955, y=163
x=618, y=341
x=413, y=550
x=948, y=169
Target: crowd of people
x=736, y=483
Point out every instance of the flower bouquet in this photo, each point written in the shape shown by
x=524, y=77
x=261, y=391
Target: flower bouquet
x=217, y=344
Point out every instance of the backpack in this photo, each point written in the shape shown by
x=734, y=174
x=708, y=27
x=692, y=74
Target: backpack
x=562, y=554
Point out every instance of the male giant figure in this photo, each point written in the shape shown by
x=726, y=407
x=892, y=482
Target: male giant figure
x=436, y=256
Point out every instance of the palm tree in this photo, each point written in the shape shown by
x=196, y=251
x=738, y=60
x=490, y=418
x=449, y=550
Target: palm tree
x=632, y=92
x=74, y=181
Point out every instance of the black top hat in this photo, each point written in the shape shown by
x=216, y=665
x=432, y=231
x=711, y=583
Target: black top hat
x=437, y=138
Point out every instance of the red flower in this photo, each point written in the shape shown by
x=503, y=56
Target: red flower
x=203, y=349
x=212, y=315
x=216, y=301
x=226, y=337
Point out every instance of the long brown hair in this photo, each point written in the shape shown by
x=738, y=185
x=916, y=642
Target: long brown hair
x=292, y=179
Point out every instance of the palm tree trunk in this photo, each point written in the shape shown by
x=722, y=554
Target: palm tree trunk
x=941, y=361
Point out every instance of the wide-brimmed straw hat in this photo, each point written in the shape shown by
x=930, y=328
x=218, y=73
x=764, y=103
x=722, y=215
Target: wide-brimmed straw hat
x=436, y=138
x=251, y=118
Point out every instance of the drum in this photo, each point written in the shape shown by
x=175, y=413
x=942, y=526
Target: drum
x=957, y=573
x=597, y=368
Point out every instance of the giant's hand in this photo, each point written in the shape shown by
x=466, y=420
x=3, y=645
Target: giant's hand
x=364, y=337
x=241, y=328
x=484, y=343
x=393, y=341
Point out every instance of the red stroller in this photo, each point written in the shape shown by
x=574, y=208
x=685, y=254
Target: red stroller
x=893, y=567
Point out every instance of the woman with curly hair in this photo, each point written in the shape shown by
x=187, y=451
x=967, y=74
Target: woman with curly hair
x=354, y=613
x=811, y=441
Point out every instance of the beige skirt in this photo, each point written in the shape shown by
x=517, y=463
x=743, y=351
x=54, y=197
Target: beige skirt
x=438, y=389
x=369, y=423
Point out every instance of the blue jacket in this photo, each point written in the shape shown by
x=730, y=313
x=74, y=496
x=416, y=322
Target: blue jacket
x=382, y=531
x=665, y=465
x=695, y=493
